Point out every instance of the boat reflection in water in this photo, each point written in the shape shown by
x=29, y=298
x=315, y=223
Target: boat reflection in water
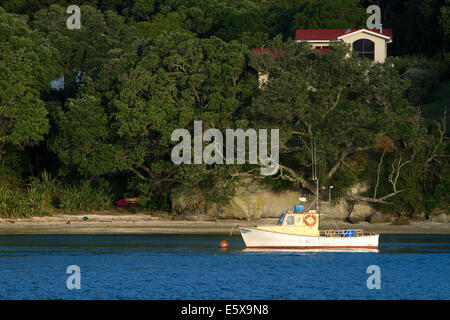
x=301, y=251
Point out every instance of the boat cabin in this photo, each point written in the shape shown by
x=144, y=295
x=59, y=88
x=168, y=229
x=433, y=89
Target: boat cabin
x=300, y=222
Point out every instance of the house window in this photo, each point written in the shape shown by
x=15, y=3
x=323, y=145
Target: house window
x=365, y=48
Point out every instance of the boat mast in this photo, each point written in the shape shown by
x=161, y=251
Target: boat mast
x=315, y=176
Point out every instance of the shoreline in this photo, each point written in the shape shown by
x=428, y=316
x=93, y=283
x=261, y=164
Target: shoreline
x=147, y=224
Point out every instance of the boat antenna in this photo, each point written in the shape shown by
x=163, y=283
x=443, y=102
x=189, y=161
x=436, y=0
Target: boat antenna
x=315, y=176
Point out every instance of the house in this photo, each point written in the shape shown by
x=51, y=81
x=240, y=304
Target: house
x=264, y=77
x=371, y=44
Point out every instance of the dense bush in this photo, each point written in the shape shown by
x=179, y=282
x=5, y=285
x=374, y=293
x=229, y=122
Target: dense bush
x=20, y=204
x=423, y=78
x=84, y=197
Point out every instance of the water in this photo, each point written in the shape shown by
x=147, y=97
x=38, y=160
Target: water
x=192, y=267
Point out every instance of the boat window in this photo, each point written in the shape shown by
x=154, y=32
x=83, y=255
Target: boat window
x=280, y=221
x=290, y=220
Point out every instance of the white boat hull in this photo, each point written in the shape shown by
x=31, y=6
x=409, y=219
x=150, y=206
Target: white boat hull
x=255, y=238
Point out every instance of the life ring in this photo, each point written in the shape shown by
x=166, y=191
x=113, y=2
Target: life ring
x=305, y=221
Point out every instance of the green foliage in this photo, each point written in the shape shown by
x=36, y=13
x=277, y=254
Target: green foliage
x=330, y=14
x=83, y=197
x=170, y=82
x=25, y=69
x=9, y=179
x=159, y=24
x=84, y=49
x=134, y=74
x=342, y=104
x=445, y=20
x=423, y=78
x=47, y=187
x=435, y=104
x=19, y=203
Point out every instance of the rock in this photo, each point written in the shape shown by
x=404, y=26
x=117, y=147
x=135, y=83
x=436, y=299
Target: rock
x=359, y=188
x=361, y=212
x=248, y=202
x=377, y=217
x=179, y=217
x=252, y=201
x=401, y=221
x=335, y=211
x=437, y=211
x=191, y=217
x=188, y=202
x=353, y=220
x=205, y=217
x=389, y=217
x=418, y=216
x=439, y=215
x=162, y=215
x=443, y=217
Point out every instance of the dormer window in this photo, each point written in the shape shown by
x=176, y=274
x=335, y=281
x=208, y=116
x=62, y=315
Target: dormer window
x=365, y=48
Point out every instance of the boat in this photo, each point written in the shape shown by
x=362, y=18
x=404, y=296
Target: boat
x=299, y=230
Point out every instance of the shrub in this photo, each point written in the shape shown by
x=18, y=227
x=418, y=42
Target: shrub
x=48, y=187
x=20, y=204
x=9, y=179
x=423, y=78
x=84, y=197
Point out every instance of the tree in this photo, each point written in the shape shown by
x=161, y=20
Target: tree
x=83, y=51
x=26, y=68
x=124, y=121
x=337, y=105
x=445, y=21
x=330, y=14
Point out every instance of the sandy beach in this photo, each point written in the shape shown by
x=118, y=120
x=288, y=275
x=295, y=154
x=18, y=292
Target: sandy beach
x=147, y=224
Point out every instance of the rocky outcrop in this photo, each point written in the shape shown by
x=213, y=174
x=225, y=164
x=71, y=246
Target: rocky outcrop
x=359, y=188
x=254, y=202
x=439, y=215
x=261, y=203
x=335, y=211
x=443, y=217
x=361, y=212
x=377, y=217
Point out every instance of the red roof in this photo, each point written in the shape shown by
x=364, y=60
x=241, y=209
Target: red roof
x=259, y=51
x=332, y=34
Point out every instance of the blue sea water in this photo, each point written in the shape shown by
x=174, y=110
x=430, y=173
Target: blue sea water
x=192, y=267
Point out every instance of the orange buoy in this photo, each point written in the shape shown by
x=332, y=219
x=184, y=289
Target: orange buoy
x=223, y=244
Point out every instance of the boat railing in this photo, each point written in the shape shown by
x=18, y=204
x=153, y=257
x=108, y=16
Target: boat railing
x=342, y=233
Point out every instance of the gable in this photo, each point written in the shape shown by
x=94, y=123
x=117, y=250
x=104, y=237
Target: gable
x=319, y=35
